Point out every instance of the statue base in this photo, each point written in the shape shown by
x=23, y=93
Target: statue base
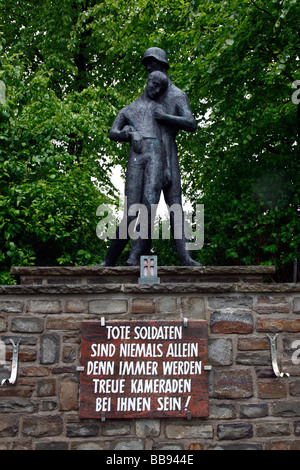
x=95, y=275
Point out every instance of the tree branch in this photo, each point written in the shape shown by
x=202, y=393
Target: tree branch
x=261, y=9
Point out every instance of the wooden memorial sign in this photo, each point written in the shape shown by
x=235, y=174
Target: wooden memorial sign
x=143, y=369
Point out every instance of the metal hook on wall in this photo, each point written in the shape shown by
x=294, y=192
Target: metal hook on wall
x=14, y=367
x=274, y=357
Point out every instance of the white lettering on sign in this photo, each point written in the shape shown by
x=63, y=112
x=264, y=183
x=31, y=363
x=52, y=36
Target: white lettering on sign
x=169, y=403
x=160, y=332
x=161, y=386
x=133, y=404
x=106, y=350
x=138, y=368
x=100, y=368
x=109, y=386
x=182, y=367
x=103, y=404
x=144, y=367
x=138, y=350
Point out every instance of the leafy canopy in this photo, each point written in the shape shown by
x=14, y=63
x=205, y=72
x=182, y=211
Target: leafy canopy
x=69, y=67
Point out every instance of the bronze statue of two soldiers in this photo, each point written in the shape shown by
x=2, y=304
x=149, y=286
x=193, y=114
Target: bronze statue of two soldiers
x=151, y=124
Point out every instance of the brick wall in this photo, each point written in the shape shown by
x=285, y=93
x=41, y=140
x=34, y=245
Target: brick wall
x=250, y=408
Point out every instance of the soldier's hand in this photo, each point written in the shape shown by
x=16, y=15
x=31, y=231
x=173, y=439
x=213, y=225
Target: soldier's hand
x=159, y=113
x=137, y=142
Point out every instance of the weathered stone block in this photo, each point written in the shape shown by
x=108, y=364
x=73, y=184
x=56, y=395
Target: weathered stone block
x=296, y=305
x=233, y=384
x=294, y=445
x=167, y=305
x=270, y=304
x=25, y=355
x=51, y=446
x=49, y=349
x=253, y=344
x=295, y=388
x=34, y=371
x=167, y=446
x=69, y=354
x=45, y=388
x=143, y=306
x=234, y=431
x=272, y=429
x=271, y=299
x=254, y=359
x=231, y=322
x=286, y=409
x=5, y=446
x=129, y=444
x=44, y=306
x=195, y=446
x=220, y=351
x=271, y=309
x=82, y=430
x=3, y=324
x=271, y=389
x=27, y=325
x=251, y=411
x=68, y=395
x=222, y=411
x=282, y=324
x=42, y=426
x=177, y=431
x=297, y=428
x=112, y=428
x=57, y=323
x=48, y=405
x=230, y=301
x=147, y=427
x=11, y=306
x=89, y=446
x=9, y=426
x=278, y=445
x=75, y=306
x=108, y=306
x=193, y=307
x=236, y=446
x=265, y=373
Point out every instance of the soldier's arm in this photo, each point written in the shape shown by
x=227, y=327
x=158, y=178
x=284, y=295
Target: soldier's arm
x=184, y=118
x=120, y=131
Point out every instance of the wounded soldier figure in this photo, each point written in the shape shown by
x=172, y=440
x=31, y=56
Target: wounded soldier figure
x=147, y=167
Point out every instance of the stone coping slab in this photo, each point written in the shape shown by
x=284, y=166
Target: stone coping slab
x=148, y=288
x=117, y=270
x=91, y=275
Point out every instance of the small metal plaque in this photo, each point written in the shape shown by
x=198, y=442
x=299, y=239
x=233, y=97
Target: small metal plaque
x=148, y=273
x=144, y=369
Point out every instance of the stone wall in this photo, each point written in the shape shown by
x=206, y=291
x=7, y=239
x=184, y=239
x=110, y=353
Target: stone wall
x=250, y=408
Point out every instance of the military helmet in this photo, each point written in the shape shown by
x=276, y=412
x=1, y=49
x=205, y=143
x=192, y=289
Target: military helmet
x=156, y=53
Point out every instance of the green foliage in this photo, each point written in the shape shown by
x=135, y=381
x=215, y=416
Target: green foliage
x=69, y=67
x=52, y=144
x=247, y=168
